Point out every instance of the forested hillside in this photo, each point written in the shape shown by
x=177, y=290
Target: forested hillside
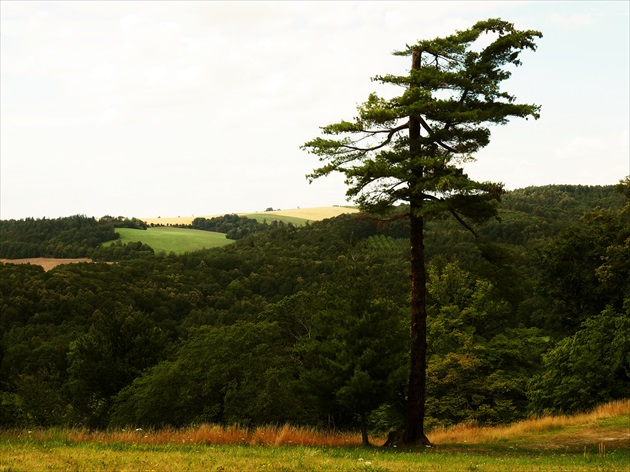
x=81, y=236
x=309, y=324
x=74, y=236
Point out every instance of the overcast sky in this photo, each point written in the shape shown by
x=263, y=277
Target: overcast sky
x=199, y=108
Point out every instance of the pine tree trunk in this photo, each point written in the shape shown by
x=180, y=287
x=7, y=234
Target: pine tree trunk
x=364, y=432
x=414, y=428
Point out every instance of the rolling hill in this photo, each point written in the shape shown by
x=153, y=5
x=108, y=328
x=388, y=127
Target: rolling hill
x=294, y=216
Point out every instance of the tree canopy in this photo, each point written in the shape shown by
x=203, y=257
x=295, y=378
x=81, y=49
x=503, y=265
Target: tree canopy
x=409, y=148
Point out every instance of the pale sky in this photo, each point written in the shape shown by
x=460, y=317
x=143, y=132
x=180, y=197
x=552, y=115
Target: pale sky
x=180, y=108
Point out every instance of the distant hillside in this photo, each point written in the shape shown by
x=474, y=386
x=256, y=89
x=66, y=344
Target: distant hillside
x=533, y=214
x=306, y=214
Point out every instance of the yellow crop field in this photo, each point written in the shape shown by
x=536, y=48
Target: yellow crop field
x=311, y=214
x=314, y=214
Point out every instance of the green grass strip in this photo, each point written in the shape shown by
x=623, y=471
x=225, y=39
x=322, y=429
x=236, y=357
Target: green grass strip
x=177, y=240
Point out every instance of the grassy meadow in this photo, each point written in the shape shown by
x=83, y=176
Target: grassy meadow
x=168, y=239
x=597, y=441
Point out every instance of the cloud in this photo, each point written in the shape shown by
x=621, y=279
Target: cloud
x=192, y=96
x=570, y=22
x=595, y=159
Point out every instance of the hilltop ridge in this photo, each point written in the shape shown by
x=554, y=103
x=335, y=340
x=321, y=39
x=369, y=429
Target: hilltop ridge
x=312, y=214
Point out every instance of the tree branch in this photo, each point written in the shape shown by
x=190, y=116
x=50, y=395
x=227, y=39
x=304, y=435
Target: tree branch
x=426, y=126
x=391, y=130
x=465, y=225
x=457, y=217
x=390, y=135
x=450, y=123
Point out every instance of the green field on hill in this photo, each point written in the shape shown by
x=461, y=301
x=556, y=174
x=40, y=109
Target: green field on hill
x=178, y=240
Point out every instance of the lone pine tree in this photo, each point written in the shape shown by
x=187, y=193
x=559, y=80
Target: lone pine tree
x=411, y=148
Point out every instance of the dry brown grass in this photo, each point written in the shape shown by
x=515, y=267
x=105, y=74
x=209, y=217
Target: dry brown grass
x=523, y=448
x=46, y=262
x=208, y=434
x=471, y=434
x=289, y=435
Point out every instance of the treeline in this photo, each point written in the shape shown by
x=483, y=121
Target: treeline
x=73, y=236
x=309, y=325
x=234, y=226
x=68, y=237
x=124, y=222
x=117, y=251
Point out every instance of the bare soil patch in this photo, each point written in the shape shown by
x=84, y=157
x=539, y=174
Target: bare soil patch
x=46, y=262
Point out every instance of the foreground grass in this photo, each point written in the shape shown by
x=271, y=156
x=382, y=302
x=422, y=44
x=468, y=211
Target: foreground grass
x=598, y=441
x=126, y=457
x=178, y=240
x=60, y=454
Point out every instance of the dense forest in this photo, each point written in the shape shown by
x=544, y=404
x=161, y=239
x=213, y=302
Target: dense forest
x=309, y=325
